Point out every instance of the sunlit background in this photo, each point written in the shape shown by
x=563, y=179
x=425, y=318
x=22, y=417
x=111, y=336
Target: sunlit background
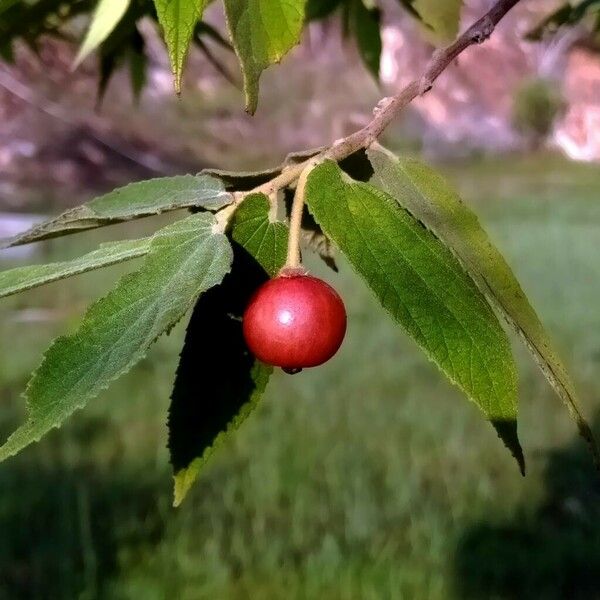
x=368, y=478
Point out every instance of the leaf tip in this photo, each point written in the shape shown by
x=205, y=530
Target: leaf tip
x=177, y=84
x=507, y=432
x=251, y=105
x=183, y=481
x=77, y=61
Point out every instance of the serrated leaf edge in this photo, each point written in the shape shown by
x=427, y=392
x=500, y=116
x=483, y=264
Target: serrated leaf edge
x=143, y=352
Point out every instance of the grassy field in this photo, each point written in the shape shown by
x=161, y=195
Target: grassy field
x=370, y=478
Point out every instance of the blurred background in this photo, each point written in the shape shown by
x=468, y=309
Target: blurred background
x=370, y=477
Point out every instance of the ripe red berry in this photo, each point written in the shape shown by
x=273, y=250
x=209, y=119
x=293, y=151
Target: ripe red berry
x=295, y=321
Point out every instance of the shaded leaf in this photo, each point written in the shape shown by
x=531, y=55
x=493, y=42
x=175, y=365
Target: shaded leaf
x=107, y=66
x=244, y=181
x=424, y=193
x=204, y=29
x=408, y=6
x=123, y=42
x=185, y=259
x=138, y=64
x=6, y=52
x=262, y=31
x=319, y=9
x=443, y=17
x=357, y=165
x=29, y=21
x=254, y=227
x=20, y=279
x=6, y=4
x=141, y=199
x=178, y=19
x=200, y=420
x=218, y=381
x=318, y=242
x=105, y=18
x=566, y=14
x=551, y=23
x=424, y=288
x=365, y=26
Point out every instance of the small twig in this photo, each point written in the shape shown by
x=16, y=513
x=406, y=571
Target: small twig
x=387, y=110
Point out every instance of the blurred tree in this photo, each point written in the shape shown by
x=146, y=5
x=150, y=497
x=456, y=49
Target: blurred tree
x=537, y=105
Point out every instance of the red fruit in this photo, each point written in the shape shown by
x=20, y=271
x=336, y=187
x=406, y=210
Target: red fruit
x=294, y=322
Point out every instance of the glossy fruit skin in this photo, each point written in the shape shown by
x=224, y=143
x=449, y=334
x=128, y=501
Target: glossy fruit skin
x=294, y=322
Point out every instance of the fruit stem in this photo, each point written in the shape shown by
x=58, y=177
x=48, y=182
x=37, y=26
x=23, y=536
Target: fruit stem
x=293, y=260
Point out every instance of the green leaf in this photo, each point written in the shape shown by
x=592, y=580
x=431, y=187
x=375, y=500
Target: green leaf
x=254, y=227
x=185, y=259
x=199, y=421
x=178, y=19
x=319, y=9
x=107, y=15
x=365, y=25
x=6, y=4
x=218, y=381
x=408, y=6
x=20, y=279
x=551, y=23
x=424, y=193
x=138, y=64
x=568, y=14
x=262, y=31
x=244, y=181
x=442, y=16
x=124, y=41
x=425, y=289
x=133, y=201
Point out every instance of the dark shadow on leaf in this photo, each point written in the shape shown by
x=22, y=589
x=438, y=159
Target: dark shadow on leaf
x=358, y=166
x=551, y=552
x=214, y=378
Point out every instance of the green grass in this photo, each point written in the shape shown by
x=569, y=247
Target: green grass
x=369, y=478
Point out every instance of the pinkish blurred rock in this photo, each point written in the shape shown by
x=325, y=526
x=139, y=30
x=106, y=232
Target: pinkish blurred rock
x=469, y=107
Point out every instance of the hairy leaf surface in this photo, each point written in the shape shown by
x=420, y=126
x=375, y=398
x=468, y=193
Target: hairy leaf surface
x=140, y=199
x=262, y=31
x=178, y=19
x=185, y=259
x=426, y=194
x=105, y=18
x=264, y=238
x=20, y=279
x=425, y=289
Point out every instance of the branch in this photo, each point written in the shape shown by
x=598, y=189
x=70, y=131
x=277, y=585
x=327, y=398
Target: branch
x=389, y=108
